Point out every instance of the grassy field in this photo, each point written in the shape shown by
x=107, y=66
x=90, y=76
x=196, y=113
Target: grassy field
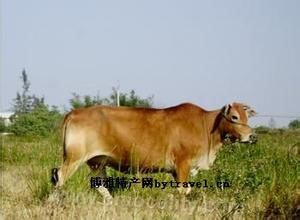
x=263, y=178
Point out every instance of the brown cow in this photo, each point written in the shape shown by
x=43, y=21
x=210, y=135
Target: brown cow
x=180, y=139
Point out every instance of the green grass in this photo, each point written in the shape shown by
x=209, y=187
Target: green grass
x=264, y=182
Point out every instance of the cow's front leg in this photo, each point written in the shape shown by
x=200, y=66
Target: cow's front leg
x=182, y=173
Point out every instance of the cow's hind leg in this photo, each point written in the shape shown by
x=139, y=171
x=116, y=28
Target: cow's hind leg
x=70, y=165
x=98, y=167
x=67, y=170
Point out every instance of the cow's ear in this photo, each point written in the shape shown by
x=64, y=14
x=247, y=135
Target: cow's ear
x=250, y=112
x=226, y=109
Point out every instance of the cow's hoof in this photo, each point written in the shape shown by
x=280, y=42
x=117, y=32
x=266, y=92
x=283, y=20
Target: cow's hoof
x=54, y=176
x=184, y=191
x=107, y=197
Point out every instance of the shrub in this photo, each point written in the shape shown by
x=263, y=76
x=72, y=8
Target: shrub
x=41, y=121
x=263, y=130
x=294, y=124
x=2, y=125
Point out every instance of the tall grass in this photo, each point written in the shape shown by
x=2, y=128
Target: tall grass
x=263, y=178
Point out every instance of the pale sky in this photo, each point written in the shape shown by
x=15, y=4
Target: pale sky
x=207, y=52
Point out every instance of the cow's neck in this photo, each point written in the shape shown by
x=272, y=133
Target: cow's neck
x=215, y=129
x=212, y=143
x=216, y=134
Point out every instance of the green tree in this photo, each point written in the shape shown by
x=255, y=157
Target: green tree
x=125, y=99
x=76, y=101
x=25, y=102
x=32, y=116
x=294, y=124
x=131, y=99
x=86, y=101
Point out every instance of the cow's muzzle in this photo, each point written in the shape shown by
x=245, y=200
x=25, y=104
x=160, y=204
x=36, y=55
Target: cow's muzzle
x=251, y=140
x=54, y=176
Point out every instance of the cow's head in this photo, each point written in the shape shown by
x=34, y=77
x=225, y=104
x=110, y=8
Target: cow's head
x=234, y=122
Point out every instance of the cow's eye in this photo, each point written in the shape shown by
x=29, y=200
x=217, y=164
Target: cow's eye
x=234, y=118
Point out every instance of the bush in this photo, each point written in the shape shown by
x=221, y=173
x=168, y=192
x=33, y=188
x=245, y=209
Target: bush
x=41, y=121
x=294, y=124
x=263, y=130
x=2, y=125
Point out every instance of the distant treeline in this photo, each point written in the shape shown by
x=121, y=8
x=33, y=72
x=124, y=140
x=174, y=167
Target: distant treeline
x=33, y=117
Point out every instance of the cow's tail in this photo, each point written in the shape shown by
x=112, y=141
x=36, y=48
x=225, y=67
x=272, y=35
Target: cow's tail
x=64, y=132
x=55, y=171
